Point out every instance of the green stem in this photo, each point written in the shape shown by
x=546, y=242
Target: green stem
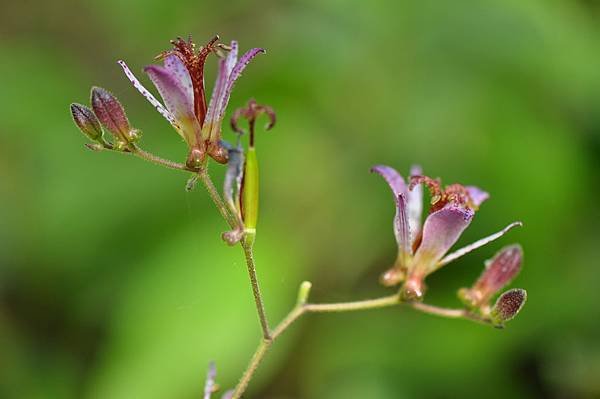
x=257, y=358
x=303, y=308
x=216, y=197
x=247, y=245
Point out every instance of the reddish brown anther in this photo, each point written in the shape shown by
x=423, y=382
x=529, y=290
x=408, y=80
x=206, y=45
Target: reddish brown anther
x=454, y=193
x=194, y=62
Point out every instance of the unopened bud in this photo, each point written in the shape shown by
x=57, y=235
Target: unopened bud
x=111, y=114
x=86, y=121
x=392, y=277
x=304, y=292
x=508, y=305
x=499, y=271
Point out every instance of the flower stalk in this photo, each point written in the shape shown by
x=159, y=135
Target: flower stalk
x=423, y=245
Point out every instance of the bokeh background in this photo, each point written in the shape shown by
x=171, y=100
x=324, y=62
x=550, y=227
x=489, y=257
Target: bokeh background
x=114, y=282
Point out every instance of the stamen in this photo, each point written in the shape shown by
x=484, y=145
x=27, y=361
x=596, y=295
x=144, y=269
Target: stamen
x=250, y=113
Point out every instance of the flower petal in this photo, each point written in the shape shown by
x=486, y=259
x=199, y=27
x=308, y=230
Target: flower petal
x=477, y=244
x=233, y=178
x=178, y=70
x=234, y=75
x=177, y=101
x=441, y=230
x=393, y=179
x=151, y=99
x=402, y=231
x=415, y=203
x=225, y=67
x=478, y=196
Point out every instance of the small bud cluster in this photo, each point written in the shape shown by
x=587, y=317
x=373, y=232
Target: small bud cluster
x=423, y=247
x=499, y=272
x=108, y=113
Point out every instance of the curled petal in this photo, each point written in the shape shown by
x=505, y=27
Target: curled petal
x=151, y=99
x=477, y=244
x=478, y=196
x=508, y=305
x=110, y=113
x=226, y=65
x=177, y=101
x=441, y=230
x=234, y=75
x=393, y=179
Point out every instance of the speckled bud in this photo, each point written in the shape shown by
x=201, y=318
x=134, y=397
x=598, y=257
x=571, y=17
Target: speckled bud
x=508, y=305
x=86, y=121
x=111, y=114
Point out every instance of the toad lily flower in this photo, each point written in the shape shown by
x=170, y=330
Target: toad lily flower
x=421, y=248
x=180, y=82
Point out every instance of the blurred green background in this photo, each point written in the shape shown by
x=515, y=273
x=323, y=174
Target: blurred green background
x=114, y=282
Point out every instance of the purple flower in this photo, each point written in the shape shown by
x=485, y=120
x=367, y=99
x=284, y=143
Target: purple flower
x=180, y=83
x=422, y=248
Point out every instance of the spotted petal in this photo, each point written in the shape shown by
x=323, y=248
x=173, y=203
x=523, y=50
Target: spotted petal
x=236, y=72
x=440, y=232
x=179, y=71
x=177, y=100
x=151, y=99
x=477, y=244
x=393, y=179
x=225, y=67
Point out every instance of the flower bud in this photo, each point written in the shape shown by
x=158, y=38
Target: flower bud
x=303, y=292
x=508, y=305
x=499, y=271
x=111, y=114
x=87, y=122
x=392, y=276
x=250, y=191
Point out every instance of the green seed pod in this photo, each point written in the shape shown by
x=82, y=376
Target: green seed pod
x=250, y=191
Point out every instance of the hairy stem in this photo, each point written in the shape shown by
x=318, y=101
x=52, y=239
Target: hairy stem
x=449, y=313
x=138, y=152
x=216, y=197
x=247, y=245
x=257, y=358
x=303, y=308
